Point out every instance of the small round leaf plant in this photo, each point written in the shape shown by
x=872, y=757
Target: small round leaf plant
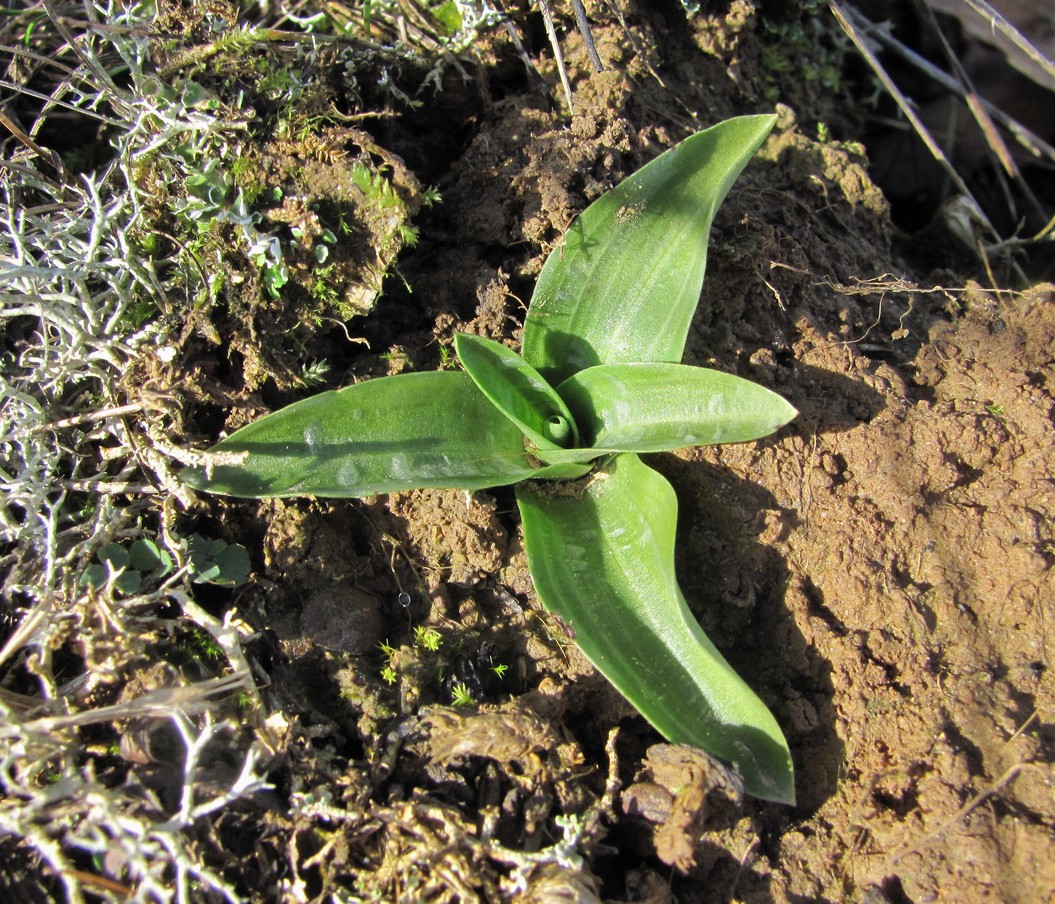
x=598, y=382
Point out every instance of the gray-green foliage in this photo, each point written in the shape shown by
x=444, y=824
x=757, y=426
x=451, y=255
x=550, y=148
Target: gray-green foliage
x=217, y=562
x=128, y=565
x=80, y=303
x=599, y=381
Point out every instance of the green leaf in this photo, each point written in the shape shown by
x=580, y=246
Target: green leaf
x=94, y=576
x=626, y=281
x=232, y=563
x=114, y=555
x=217, y=561
x=518, y=391
x=449, y=15
x=129, y=582
x=658, y=407
x=395, y=433
x=601, y=553
x=147, y=557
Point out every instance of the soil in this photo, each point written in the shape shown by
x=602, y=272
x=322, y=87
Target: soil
x=880, y=571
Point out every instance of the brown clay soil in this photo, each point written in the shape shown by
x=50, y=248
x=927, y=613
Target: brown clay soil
x=880, y=571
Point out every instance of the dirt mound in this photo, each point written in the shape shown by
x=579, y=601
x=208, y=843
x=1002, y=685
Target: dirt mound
x=880, y=572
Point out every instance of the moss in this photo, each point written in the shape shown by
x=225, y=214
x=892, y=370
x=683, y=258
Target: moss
x=265, y=205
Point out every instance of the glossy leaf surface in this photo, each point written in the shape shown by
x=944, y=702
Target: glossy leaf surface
x=394, y=433
x=607, y=327
x=624, y=284
x=602, y=558
x=518, y=391
x=659, y=407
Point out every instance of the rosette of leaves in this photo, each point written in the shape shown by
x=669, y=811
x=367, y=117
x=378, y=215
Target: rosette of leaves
x=599, y=381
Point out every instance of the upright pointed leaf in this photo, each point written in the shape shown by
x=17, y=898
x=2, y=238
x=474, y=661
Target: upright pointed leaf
x=516, y=389
x=658, y=407
x=394, y=433
x=625, y=283
x=604, y=561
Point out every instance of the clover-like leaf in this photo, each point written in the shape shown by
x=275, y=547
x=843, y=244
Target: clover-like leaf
x=217, y=561
x=146, y=557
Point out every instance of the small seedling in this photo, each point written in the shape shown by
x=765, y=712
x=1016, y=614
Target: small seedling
x=201, y=647
x=388, y=672
x=143, y=559
x=217, y=562
x=461, y=695
x=429, y=638
x=598, y=382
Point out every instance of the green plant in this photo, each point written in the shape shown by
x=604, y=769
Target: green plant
x=200, y=647
x=217, y=562
x=128, y=565
x=429, y=638
x=461, y=695
x=597, y=384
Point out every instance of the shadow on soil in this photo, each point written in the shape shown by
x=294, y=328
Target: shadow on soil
x=736, y=583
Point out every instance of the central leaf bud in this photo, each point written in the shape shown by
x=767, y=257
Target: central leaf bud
x=558, y=430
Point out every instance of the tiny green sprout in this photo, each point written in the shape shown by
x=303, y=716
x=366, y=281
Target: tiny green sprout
x=31, y=26
x=994, y=409
x=388, y=675
x=314, y=372
x=275, y=276
x=387, y=650
x=500, y=669
x=200, y=647
x=598, y=381
x=460, y=695
x=429, y=638
x=409, y=234
x=431, y=196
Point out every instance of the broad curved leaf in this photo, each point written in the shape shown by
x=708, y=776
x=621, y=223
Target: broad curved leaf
x=518, y=391
x=625, y=283
x=602, y=557
x=658, y=407
x=395, y=433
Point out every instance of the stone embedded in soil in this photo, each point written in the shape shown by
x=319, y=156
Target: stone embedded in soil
x=342, y=618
